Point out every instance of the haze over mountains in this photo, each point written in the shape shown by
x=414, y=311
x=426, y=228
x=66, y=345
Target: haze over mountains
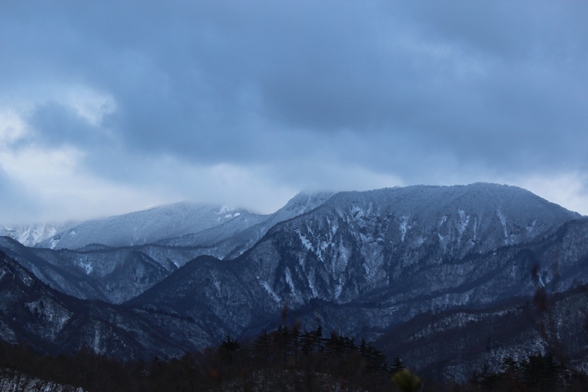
x=366, y=264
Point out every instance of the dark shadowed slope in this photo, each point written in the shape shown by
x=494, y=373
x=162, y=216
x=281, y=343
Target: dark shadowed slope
x=49, y=321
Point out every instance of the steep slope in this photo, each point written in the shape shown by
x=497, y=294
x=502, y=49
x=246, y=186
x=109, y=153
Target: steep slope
x=364, y=262
x=147, y=226
x=357, y=244
x=214, y=294
x=51, y=322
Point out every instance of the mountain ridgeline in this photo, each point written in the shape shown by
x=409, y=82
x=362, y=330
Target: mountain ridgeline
x=395, y=266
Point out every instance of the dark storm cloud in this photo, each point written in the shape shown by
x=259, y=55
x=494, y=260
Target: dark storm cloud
x=57, y=124
x=500, y=86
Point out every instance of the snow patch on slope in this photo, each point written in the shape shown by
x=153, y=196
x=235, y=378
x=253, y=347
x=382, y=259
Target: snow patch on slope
x=403, y=227
x=271, y=292
x=502, y=219
x=305, y=241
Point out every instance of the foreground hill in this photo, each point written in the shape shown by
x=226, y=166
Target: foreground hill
x=453, y=345
x=52, y=322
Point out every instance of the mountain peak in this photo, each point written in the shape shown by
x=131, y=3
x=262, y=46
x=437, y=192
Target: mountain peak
x=303, y=202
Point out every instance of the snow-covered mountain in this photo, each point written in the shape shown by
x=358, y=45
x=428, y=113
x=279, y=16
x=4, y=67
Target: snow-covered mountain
x=389, y=255
x=361, y=242
x=178, y=224
x=234, y=237
x=148, y=226
x=32, y=234
x=361, y=263
x=117, y=274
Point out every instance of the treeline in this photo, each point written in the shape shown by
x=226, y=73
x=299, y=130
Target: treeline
x=537, y=372
x=284, y=359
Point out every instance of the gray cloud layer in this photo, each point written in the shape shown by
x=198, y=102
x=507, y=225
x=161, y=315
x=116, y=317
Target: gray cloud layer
x=420, y=91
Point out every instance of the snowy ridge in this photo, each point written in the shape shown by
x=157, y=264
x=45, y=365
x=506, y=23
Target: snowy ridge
x=178, y=224
x=31, y=235
x=144, y=227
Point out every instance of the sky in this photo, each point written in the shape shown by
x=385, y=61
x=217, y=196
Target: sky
x=109, y=107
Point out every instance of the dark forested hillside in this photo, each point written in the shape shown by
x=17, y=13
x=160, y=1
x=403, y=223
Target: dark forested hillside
x=285, y=359
x=52, y=322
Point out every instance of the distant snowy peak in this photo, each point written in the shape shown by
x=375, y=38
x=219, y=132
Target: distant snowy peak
x=141, y=227
x=32, y=234
x=302, y=203
x=236, y=235
x=305, y=201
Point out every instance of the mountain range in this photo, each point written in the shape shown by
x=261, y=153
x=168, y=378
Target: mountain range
x=427, y=272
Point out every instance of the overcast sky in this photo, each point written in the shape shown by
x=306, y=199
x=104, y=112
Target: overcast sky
x=113, y=106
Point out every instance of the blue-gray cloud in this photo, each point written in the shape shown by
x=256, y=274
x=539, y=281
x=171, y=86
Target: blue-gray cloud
x=56, y=124
x=16, y=204
x=391, y=87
